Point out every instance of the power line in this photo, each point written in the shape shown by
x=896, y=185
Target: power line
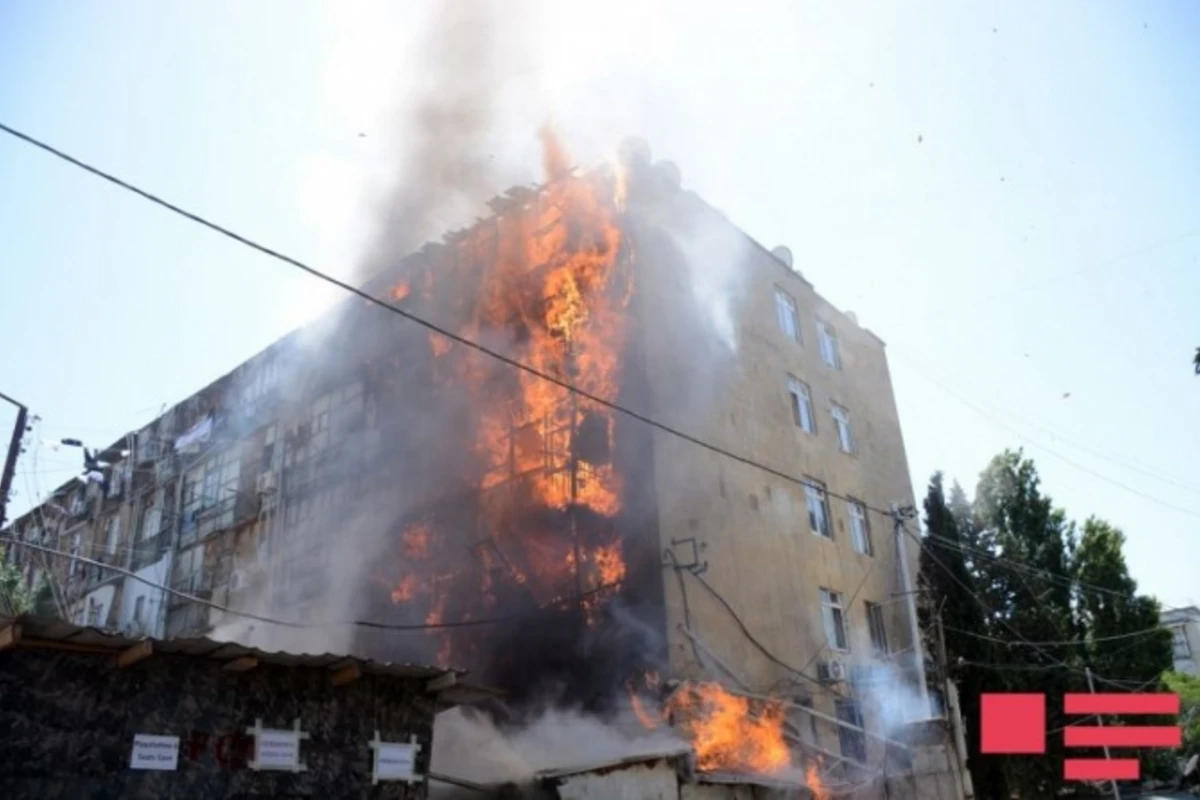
x=512, y=362
x=1062, y=643
x=288, y=624
x=991, y=613
x=1042, y=447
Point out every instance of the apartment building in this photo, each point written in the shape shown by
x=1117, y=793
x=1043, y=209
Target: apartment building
x=392, y=484
x=1184, y=624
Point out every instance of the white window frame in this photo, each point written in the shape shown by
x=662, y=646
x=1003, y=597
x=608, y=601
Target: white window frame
x=1178, y=638
x=139, y=608
x=817, y=503
x=833, y=617
x=828, y=338
x=803, y=413
x=841, y=424
x=876, y=629
x=787, y=315
x=860, y=528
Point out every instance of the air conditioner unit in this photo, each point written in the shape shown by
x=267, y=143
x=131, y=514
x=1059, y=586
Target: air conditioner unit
x=832, y=671
x=265, y=482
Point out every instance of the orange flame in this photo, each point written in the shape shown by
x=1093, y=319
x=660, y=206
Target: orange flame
x=550, y=288
x=726, y=734
x=812, y=778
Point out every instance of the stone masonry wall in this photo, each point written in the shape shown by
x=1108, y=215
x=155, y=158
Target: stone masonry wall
x=67, y=722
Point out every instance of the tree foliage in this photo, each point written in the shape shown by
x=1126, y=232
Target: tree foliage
x=15, y=598
x=1009, y=569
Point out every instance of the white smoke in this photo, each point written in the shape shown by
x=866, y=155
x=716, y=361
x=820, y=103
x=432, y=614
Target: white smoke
x=468, y=745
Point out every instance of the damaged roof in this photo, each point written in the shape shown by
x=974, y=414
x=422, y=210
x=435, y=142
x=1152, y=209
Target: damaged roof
x=32, y=632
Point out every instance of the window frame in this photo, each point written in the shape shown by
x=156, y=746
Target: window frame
x=841, y=426
x=833, y=619
x=814, y=491
x=827, y=341
x=786, y=306
x=852, y=743
x=877, y=629
x=856, y=511
x=800, y=394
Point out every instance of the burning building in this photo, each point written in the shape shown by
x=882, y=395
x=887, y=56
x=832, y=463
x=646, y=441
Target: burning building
x=615, y=439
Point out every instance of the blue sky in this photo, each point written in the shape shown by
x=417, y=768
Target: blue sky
x=1006, y=193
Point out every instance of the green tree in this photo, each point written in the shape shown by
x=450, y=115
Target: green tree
x=1031, y=597
x=951, y=592
x=15, y=598
x=1188, y=689
x=1110, y=608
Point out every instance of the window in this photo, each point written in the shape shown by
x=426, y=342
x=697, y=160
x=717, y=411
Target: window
x=841, y=423
x=112, y=533
x=93, y=613
x=1183, y=650
x=876, y=629
x=785, y=313
x=834, y=616
x=818, y=510
x=189, y=571
x=829, y=345
x=802, y=409
x=860, y=533
x=853, y=742
x=139, y=608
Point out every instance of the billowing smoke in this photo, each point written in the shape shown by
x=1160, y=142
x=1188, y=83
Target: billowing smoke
x=447, y=162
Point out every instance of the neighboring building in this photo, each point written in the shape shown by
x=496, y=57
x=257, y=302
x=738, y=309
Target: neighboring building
x=389, y=474
x=1185, y=637
x=74, y=700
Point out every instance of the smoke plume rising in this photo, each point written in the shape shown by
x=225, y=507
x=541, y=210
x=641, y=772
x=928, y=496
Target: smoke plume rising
x=445, y=145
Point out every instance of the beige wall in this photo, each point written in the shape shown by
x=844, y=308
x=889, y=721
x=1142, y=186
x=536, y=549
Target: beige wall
x=762, y=557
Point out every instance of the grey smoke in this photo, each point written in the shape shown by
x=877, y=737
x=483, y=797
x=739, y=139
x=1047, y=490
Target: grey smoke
x=448, y=162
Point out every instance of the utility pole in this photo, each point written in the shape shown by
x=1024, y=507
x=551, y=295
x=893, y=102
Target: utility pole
x=10, y=462
x=899, y=514
x=1100, y=723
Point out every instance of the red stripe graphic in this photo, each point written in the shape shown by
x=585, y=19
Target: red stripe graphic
x=1133, y=736
x=1101, y=769
x=1150, y=703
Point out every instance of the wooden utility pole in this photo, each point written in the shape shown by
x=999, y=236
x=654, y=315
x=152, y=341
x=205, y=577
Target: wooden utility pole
x=10, y=462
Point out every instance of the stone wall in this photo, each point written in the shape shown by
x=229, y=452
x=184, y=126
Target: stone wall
x=68, y=721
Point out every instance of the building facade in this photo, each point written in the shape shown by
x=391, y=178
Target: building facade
x=1184, y=624
x=371, y=469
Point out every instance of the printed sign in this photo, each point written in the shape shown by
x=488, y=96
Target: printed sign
x=277, y=749
x=154, y=752
x=395, y=761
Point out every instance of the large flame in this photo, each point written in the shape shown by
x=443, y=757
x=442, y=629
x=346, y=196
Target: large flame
x=545, y=283
x=727, y=731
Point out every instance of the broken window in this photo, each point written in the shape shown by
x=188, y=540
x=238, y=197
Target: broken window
x=787, y=315
x=818, y=509
x=802, y=408
x=833, y=614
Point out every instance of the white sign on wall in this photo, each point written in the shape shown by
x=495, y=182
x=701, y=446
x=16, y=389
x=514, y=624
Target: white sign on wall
x=154, y=752
x=395, y=761
x=277, y=749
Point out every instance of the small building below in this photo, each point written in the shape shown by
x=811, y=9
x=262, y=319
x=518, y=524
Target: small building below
x=87, y=713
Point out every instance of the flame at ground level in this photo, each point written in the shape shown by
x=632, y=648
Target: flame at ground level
x=812, y=779
x=727, y=733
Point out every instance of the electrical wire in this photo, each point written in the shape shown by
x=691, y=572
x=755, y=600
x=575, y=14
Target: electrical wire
x=288, y=624
x=435, y=328
x=991, y=614
x=1047, y=450
x=1064, y=643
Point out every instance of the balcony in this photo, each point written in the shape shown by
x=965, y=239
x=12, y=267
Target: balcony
x=149, y=551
